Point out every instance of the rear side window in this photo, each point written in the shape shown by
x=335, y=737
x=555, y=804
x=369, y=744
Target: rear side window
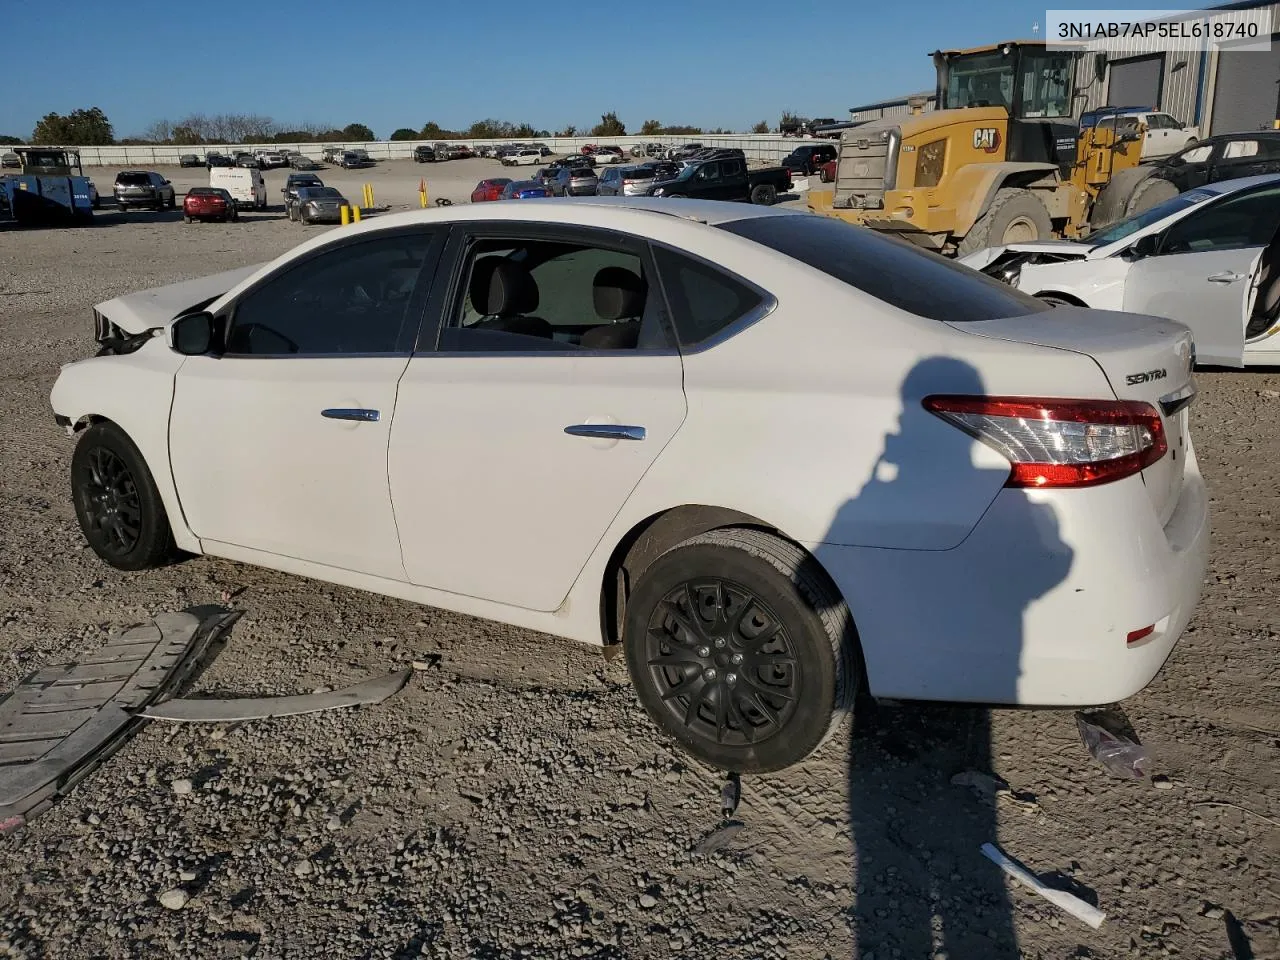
x=895, y=271
x=703, y=299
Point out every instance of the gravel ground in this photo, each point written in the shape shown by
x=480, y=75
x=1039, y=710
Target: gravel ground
x=515, y=801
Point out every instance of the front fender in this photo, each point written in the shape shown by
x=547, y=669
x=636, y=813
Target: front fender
x=134, y=391
x=974, y=186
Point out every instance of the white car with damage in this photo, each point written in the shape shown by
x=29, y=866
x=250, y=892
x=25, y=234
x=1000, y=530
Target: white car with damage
x=1208, y=257
x=779, y=460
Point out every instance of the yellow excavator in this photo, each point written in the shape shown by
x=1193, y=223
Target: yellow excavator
x=1002, y=159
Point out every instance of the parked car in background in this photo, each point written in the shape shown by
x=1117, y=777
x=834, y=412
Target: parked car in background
x=827, y=172
x=441, y=150
x=683, y=152
x=608, y=155
x=1163, y=136
x=1208, y=258
x=247, y=160
x=460, y=151
x=542, y=148
x=490, y=189
x=726, y=180
x=522, y=158
x=424, y=154
x=143, y=188
x=246, y=185
x=209, y=203
x=189, y=160
x=1008, y=516
x=1227, y=156
x=318, y=205
x=272, y=160
x=577, y=181
x=215, y=159
x=295, y=182
x=806, y=159
x=648, y=150
x=332, y=154
x=524, y=190
x=354, y=160
x=300, y=161
x=632, y=181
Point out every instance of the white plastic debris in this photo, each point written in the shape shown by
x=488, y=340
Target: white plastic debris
x=1082, y=911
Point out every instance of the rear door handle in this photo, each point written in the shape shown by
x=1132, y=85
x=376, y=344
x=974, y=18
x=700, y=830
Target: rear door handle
x=350, y=413
x=1228, y=277
x=605, y=431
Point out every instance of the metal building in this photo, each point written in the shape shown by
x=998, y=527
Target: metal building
x=897, y=107
x=1220, y=91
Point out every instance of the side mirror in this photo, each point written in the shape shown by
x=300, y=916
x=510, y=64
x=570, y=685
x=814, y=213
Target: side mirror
x=1099, y=67
x=1143, y=247
x=193, y=335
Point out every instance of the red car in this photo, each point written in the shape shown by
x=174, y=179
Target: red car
x=208, y=203
x=827, y=172
x=489, y=189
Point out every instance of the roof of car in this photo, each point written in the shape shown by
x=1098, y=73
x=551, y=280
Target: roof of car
x=1242, y=183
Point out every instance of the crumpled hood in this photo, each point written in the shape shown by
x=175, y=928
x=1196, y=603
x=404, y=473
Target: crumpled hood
x=138, y=312
x=980, y=258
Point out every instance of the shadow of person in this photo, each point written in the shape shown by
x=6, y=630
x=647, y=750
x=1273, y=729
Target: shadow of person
x=945, y=619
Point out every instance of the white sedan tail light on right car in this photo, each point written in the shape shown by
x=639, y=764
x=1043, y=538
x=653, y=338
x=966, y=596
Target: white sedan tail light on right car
x=1060, y=443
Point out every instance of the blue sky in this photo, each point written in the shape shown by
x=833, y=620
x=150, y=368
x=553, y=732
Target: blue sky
x=393, y=63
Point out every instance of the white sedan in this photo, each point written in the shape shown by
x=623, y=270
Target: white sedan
x=779, y=459
x=1209, y=257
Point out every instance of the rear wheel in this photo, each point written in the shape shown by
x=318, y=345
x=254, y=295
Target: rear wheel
x=116, y=500
x=764, y=194
x=1015, y=216
x=741, y=650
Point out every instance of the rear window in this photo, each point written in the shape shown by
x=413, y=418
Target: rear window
x=133, y=179
x=204, y=192
x=895, y=271
x=640, y=173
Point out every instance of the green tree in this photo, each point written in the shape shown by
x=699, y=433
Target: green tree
x=292, y=136
x=9, y=141
x=404, y=133
x=86, y=127
x=651, y=128
x=433, y=131
x=761, y=127
x=609, y=126
x=569, y=131
x=357, y=131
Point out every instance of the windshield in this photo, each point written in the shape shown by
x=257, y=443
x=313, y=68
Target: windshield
x=979, y=80
x=1125, y=228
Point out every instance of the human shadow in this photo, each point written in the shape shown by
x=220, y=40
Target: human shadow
x=943, y=619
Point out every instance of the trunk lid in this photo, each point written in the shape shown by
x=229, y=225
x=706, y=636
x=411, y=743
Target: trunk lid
x=1144, y=358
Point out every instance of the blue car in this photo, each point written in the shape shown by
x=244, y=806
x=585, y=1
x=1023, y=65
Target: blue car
x=524, y=190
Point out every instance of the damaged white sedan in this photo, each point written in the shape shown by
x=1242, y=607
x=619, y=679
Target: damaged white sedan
x=1209, y=258
x=779, y=459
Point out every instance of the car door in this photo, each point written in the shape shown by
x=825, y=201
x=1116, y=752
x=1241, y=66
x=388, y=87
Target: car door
x=1203, y=271
x=518, y=434
x=278, y=443
x=1190, y=168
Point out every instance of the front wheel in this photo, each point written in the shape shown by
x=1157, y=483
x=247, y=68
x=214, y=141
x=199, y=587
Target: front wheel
x=1016, y=215
x=741, y=650
x=116, y=500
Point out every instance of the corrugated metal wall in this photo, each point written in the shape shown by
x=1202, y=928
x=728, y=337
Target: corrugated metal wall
x=891, y=108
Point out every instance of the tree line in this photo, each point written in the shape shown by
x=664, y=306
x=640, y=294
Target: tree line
x=91, y=127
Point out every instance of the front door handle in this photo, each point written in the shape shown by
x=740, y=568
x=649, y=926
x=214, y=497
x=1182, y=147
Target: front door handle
x=1228, y=277
x=350, y=413
x=605, y=431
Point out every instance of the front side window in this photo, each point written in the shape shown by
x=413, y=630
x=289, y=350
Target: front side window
x=352, y=300
x=1197, y=154
x=544, y=295
x=1246, y=219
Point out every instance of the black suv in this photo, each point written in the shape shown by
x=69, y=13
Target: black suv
x=807, y=159
x=1227, y=156
x=424, y=154
x=143, y=188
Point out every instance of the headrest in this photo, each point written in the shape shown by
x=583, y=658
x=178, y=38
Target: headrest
x=618, y=293
x=502, y=288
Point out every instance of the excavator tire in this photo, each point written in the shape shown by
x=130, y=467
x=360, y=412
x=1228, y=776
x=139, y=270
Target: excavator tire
x=1113, y=201
x=1014, y=213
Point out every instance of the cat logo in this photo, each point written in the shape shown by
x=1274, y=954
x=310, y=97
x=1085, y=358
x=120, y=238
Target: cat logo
x=986, y=139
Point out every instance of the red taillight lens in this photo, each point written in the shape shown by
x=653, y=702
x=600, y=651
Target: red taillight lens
x=1051, y=442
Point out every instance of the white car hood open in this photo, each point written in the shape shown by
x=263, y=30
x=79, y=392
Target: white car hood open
x=141, y=311
x=980, y=258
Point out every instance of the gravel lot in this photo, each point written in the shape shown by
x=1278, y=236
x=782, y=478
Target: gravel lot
x=515, y=801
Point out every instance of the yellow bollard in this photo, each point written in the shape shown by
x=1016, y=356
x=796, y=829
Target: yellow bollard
x=355, y=214
x=422, y=198
x=368, y=196
x=346, y=214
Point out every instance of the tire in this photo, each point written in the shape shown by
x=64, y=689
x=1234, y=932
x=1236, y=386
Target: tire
x=822, y=175
x=764, y=194
x=173, y=201
x=304, y=218
x=116, y=501
x=1113, y=201
x=1148, y=193
x=1014, y=212
x=812, y=658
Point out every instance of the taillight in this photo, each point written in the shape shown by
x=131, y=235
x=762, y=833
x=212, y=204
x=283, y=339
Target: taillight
x=1060, y=443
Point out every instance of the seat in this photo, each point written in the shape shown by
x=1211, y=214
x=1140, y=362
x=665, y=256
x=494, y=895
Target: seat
x=619, y=296
x=1266, y=297
x=505, y=294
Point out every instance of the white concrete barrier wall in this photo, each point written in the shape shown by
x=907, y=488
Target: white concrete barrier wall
x=768, y=147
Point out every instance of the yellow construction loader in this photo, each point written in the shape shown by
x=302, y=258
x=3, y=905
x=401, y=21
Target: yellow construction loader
x=1000, y=161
